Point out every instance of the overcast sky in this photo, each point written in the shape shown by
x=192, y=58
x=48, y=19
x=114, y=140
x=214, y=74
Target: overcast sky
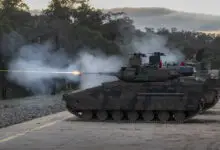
x=197, y=6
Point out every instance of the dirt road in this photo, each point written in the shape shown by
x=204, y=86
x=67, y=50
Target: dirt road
x=63, y=131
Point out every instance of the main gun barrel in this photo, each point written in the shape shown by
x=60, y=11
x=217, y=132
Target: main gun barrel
x=101, y=73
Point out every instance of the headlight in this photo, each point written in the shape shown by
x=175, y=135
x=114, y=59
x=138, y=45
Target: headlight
x=194, y=69
x=214, y=74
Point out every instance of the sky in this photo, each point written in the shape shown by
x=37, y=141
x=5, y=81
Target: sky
x=196, y=6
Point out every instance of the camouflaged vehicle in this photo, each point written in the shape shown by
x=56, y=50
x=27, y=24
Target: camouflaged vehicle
x=145, y=92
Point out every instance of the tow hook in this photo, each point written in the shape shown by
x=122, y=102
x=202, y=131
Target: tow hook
x=201, y=105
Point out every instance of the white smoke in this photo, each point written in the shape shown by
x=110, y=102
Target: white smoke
x=155, y=43
x=46, y=60
x=40, y=57
x=98, y=62
x=43, y=57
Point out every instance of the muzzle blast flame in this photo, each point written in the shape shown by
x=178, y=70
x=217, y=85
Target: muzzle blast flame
x=75, y=72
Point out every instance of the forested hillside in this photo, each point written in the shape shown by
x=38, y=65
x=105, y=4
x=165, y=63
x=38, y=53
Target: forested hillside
x=161, y=17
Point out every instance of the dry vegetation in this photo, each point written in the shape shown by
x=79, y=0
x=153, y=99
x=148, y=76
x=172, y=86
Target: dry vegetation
x=215, y=32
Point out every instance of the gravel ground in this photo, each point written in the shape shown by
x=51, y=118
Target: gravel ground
x=19, y=110
x=64, y=131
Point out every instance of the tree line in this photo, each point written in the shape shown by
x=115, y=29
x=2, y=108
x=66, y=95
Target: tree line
x=75, y=24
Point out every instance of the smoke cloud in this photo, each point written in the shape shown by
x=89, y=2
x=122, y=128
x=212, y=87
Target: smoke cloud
x=156, y=43
x=44, y=57
x=41, y=57
x=98, y=62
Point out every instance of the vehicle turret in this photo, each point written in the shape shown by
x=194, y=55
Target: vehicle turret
x=151, y=72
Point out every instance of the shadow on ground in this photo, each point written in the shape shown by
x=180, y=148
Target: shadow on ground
x=202, y=121
x=211, y=112
x=191, y=121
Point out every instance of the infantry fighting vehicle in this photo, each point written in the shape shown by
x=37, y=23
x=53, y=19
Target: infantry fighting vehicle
x=144, y=91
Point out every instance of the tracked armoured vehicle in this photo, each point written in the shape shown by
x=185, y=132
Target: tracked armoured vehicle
x=147, y=92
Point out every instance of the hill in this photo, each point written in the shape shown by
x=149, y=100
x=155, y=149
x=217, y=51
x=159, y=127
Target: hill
x=162, y=17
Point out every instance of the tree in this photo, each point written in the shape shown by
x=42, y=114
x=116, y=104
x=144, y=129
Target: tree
x=11, y=5
x=119, y=28
x=60, y=9
x=13, y=13
x=86, y=15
